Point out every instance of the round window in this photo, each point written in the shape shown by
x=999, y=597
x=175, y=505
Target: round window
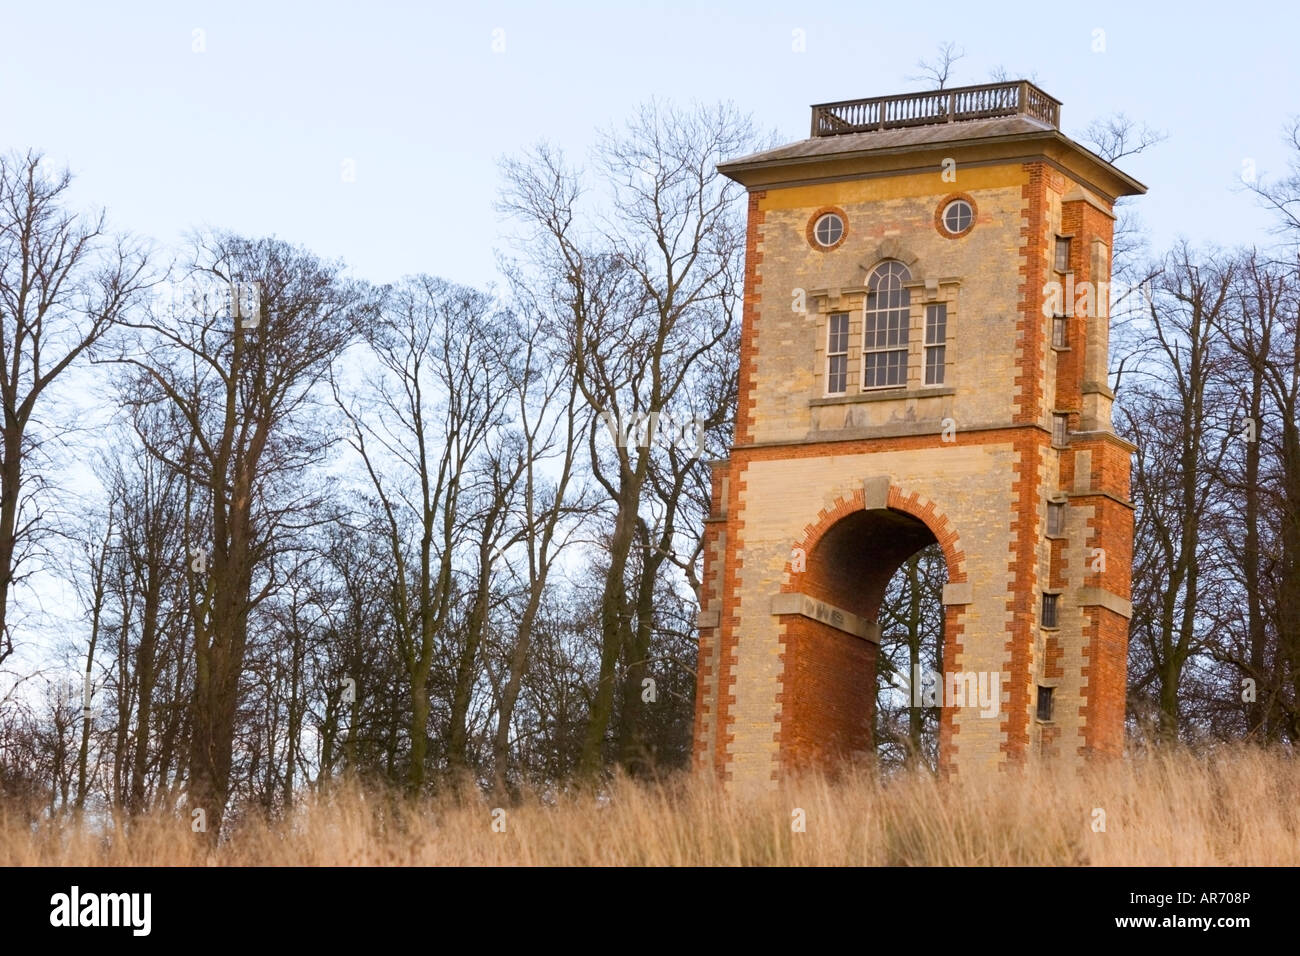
x=958, y=216
x=828, y=230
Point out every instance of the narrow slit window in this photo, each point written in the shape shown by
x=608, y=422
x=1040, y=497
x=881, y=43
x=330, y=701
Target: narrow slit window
x=1060, y=428
x=1060, y=332
x=1044, y=703
x=936, y=339
x=1050, y=610
x=837, y=353
x=1055, y=519
x=1062, y=254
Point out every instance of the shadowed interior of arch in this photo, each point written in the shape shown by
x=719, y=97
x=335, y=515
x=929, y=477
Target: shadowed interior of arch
x=830, y=678
x=853, y=561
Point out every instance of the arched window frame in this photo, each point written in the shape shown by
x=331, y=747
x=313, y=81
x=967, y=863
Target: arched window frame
x=886, y=327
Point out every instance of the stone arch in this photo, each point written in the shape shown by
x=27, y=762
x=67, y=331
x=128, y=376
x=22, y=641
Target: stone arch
x=891, y=248
x=830, y=598
x=914, y=505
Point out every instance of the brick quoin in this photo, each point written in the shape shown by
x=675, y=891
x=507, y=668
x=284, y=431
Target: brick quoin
x=745, y=400
x=730, y=624
x=722, y=697
x=859, y=480
x=706, y=670
x=1023, y=601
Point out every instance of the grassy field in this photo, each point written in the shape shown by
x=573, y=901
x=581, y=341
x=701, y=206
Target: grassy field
x=1234, y=806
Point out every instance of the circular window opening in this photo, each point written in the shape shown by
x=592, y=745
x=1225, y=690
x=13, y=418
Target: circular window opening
x=958, y=216
x=828, y=230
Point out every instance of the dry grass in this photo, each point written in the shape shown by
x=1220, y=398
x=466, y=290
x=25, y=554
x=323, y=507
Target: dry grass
x=1238, y=806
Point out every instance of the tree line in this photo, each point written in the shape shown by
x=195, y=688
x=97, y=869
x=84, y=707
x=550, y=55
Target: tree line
x=414, y=532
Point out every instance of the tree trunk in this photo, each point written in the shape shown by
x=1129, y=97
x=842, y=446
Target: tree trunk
x=458, y=736
x=634, y=746
x=915, y=715
x=1256, y=636
x=144, y=678
x=613, y=629
x=10, y=489
x=419, y=733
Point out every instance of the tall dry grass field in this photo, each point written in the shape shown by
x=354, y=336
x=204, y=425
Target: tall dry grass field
x=1236, y=806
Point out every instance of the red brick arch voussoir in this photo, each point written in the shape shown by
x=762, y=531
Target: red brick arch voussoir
x=914, y=504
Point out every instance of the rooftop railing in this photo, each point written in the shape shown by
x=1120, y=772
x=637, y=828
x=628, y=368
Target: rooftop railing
x=936, y=106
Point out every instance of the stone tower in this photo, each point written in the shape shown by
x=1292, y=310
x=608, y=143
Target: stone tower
x=923, y=358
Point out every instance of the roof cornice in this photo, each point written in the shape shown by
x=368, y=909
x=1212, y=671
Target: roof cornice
x=829, y=166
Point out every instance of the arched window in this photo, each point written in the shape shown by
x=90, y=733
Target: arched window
x=885, y=327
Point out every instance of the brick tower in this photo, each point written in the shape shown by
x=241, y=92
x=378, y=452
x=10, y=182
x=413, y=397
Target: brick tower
x=923, y=358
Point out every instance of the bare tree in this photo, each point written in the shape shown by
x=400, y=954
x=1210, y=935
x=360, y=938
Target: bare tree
x=56, y=735
x=1260, y=335
x=911, y=621
x=151, y=600
x=97, y=546
x=494, y=496
x=939, y=70
x=1115, y=137
x=1171, y=414
x=639, y=305
x=360, y=695
x=551, y=422
x=237, y=376
x=999, y=74
x=425, y=420
x=63, y=284
x=1282, y=196
x=21, y=785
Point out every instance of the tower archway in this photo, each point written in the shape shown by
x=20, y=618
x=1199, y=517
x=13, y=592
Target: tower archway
x=829, y=616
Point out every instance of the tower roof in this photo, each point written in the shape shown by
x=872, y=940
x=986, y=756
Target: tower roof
x=995, y=122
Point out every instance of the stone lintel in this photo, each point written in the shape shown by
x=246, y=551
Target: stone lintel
x=1100, y=597
x=886, y=395
x=959, y=593
x=1079, y=195
x=1096, y=493
x=792, y=602
x=825, y=301
x=1099, y=436
x=932, y=428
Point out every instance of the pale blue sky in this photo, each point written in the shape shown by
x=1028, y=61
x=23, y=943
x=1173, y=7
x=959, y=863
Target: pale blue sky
x=252, y=133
